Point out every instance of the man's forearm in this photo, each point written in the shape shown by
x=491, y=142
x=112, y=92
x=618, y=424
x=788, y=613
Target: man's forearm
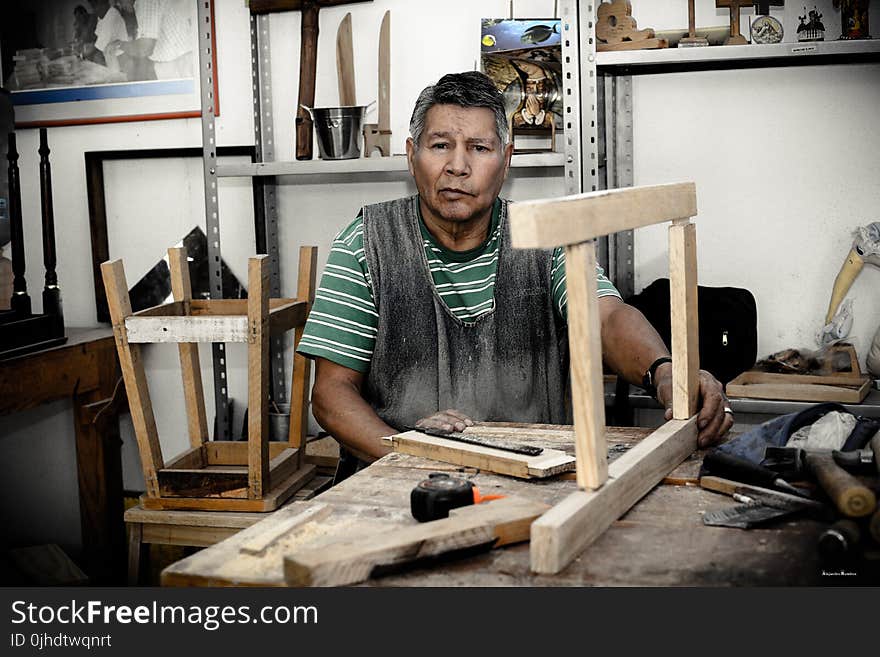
x=629, y=342
x=341, y=410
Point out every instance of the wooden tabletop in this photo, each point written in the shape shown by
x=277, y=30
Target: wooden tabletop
x=660, y=542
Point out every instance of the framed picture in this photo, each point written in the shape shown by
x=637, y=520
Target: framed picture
x=70, y=62
x=147, y=291
x=524, y=59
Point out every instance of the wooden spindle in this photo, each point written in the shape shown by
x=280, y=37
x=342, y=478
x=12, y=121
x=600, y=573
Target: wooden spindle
x=20, y=302
x=51, y=292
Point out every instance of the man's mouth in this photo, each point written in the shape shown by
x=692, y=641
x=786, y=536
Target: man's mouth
x=453, y=192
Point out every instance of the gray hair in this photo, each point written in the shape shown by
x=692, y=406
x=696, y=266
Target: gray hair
x=468, y=89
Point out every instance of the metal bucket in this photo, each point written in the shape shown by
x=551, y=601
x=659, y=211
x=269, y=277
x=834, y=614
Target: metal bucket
x=338, y=130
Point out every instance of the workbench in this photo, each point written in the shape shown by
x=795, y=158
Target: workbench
x=86, y=371
x=661, y=541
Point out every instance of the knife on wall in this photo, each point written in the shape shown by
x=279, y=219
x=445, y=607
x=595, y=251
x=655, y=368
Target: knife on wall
x=345, y=63
x=378, y=135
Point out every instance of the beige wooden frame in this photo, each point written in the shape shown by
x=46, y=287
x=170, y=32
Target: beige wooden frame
x=216, y=475
x=608, y=492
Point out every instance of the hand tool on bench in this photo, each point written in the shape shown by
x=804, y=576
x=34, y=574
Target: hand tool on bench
x=840, y=541
x=724, y=464
x=378, y=135
x=433, y=498
x=759, y=505
x=516, y=448
x=308, y=59
x=852, y=498
x=745, y=516
x=765, y=496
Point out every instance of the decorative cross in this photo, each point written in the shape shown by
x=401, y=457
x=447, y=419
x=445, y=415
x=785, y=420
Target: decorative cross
x=735, y=38
x=762, y=7
x=692, y=39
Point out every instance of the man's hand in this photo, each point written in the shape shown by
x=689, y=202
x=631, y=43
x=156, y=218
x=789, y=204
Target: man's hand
x=714, y=417
x=448, y=420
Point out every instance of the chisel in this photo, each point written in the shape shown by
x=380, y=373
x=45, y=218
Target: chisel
x=733, y=467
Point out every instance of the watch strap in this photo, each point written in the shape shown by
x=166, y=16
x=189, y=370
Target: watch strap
x=648, y=379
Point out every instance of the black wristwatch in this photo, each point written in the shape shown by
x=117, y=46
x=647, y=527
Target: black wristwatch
x=648, y=380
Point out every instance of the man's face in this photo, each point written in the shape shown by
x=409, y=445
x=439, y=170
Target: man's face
x=459, y=165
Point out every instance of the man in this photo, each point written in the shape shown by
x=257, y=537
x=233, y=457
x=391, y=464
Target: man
x=166, y=37
x=426, y=316
x=109, y=29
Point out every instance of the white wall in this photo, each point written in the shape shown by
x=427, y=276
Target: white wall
x=775, y=222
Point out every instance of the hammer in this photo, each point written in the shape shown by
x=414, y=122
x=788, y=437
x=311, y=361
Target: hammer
x=308, y=59
x=851, y=497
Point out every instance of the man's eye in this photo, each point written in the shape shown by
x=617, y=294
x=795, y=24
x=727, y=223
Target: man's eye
x=440, y=145
x=481, y=149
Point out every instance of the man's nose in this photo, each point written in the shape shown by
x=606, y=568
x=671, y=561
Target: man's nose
x=457, y=163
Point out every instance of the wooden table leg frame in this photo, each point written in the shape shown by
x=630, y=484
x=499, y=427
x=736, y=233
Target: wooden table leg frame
x=575, y=222
x=215, y=475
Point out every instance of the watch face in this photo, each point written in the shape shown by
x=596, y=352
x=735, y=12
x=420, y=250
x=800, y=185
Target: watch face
x=766, y=29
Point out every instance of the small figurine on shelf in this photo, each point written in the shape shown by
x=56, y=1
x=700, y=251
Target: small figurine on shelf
x=812, y=30
x=854, y=18
x=616, y=29
x=765, y=28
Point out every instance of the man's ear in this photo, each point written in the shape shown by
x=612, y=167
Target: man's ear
x=410, y=153
x=508, y=152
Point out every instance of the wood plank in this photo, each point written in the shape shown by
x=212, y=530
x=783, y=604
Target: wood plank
x=173, y=309
x=283, y=466
x=270, y=502
x=258, y=376
x=235, y=452
x=132, y=365
x=190, y=369
x=585, y=346
x=550, y=462
x=683, y=303
x=766, y=385
x=838, y=379
x=548, y=223
x=50, y=375
x=186, y=535
x=199, y=482
x=209, y=328
x=564, y=531
x=228, y=519
x=211, y=307
x=302, y=366
x=351, y=561
x=258, y=544
x=287, y=316
x=192, y=458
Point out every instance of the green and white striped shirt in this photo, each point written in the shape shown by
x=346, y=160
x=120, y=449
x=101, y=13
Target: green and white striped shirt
x=343, y=322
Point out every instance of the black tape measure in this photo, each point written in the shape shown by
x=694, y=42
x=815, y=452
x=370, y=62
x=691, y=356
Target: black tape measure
x=434, y=497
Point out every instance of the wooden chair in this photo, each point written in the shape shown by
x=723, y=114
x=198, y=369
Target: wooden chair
x=607, y=492
x=230, y=476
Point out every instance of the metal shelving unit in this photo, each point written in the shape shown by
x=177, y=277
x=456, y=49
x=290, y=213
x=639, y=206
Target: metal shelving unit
x=263, y=173
x=603, y=84
x=598, y=138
